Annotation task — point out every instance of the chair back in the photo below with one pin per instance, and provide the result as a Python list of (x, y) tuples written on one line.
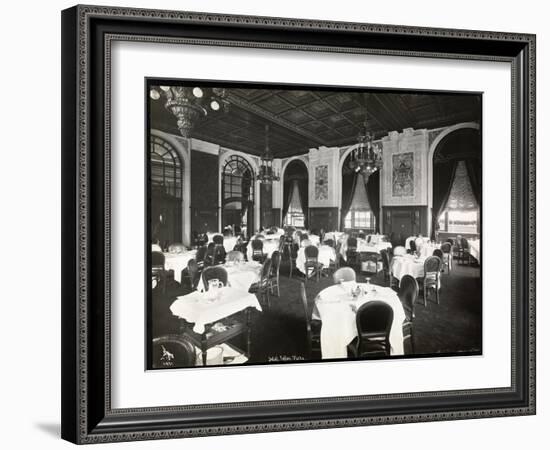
[(374, 320), (257, 245), (266, 271), (193, 270), (362, 235), (437, 252), (234, 256), (212, 273), (344, 274), (412, 245), (304, 237), (446, 247), (408, 293), (385, 259), (275, 263), (219, 255), (218, 239), (352, 243), (157, 260), (173, 351), (311, 252), (432, 265)]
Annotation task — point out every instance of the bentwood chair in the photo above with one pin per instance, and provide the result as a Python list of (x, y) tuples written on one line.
[(158, 274), (437, 252), (192, 274), (374, 321), (258, 250), (446, 248), (173, 350), (274, 274), (343, 274), (463, 251), (408, 293), (431, 279), (412, 246), (352, 255), (214, 273), (313, 327), (312, 266), (261, 288)]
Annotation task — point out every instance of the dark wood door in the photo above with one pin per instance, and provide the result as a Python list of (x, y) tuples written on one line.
[(166, 219)]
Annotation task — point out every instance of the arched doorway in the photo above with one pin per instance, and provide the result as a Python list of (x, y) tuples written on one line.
[(166, 192), (358, 210), (295, 194), (456, 186), (238, 195)]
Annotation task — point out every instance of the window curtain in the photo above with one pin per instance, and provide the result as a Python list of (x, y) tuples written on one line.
[(245, 190), (473, 166), (373, 195), (287, 196), (348, 189), (443, 177), (304, 200)]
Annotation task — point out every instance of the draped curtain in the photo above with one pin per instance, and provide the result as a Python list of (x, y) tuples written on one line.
[(245, 191), (348, 188), (304, 193), (373, 196), (287, 196), (473, 166), (443, 177)]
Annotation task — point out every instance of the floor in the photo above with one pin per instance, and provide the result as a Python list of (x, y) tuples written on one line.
[(279, 333)]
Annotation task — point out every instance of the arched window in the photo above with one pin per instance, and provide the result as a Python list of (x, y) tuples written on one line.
[(166, 192), (238, 194)]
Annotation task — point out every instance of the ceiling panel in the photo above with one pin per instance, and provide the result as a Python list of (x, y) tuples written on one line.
[(301, 119)]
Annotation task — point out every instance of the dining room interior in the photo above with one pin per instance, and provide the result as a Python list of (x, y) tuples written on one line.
[(307, 224)]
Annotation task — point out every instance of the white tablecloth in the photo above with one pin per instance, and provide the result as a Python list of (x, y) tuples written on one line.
[(427, 249), (326, 255), (240, 276), (377, 238), (334, 235), (363, 247), (177, 262), (407, 265), (474, 249), (269, 247), (333, 306), (197, 308)]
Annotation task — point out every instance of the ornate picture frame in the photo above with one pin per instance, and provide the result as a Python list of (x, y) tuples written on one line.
[(87, 35)]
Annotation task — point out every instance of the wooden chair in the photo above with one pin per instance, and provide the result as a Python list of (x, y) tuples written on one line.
[(374, 321), (431, 279), (446, 248), (313, 327), (351, 252), (258, 250), (274, 274), (261, 288), (171, 351), (312, 266), (463, 248), (192, 274), (412, 246), (408, 293), (343, 274)]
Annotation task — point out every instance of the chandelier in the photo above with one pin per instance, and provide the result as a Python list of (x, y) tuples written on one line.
[(267, 174), (367, 157), (190, 104)]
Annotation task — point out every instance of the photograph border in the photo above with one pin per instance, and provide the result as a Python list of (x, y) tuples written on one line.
[(87, 34)]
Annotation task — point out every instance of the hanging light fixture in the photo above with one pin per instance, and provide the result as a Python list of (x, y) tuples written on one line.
[(267, 174), (190, 104), (367, 157)]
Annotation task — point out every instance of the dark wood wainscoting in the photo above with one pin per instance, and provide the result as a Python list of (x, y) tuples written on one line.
[(404, 221), (325, 218)]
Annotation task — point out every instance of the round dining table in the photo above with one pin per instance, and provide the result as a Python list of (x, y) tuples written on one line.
[(336, 308), (178, 262), (240, 275), (326, 255)]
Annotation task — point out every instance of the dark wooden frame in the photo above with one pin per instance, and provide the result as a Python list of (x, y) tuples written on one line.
[(87, 31)]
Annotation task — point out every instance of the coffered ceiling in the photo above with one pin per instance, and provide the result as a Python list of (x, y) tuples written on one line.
[(302, 119)]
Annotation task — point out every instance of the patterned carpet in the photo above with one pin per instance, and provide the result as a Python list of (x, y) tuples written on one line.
[(279, 333)]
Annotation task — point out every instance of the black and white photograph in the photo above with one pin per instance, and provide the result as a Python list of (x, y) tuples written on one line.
[(302, 223)]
